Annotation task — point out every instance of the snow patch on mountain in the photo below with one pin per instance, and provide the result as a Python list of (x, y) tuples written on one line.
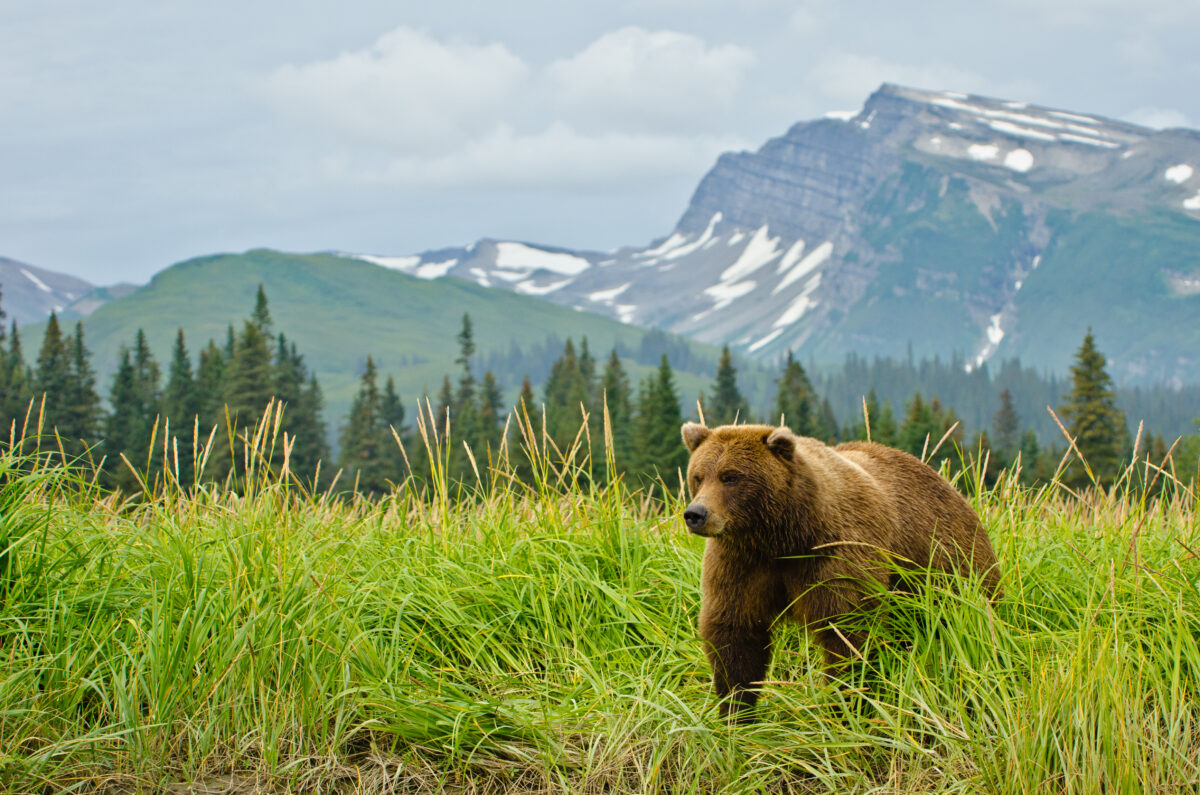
[(1178, 174), (761, 343), (608, 296), (434, 270), (518, 255), (1019, 160), (41, 285), (800, 304), (983, 151), (724, 294), (758, 252), (674, 241), (814, 259), (995, 334), (705, 239)]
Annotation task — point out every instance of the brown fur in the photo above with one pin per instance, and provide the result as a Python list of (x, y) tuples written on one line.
[(803, 531)]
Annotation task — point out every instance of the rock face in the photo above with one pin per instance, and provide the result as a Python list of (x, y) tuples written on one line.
[(930, 222)]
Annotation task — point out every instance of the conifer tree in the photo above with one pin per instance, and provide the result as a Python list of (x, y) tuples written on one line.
[(658, 451), (491, 415), (620, 409), (136, 407), (1093, 418), (180, 406), (727, 402), (795, 399), (15, 388), (392, 410), (527, 407), (301, 398), (884, 429), (311, 445), (466, 421), (83, 403), (210, 389), (567, 396), (827, 427), (52, 379), (249, 376), (365, 457), (445, 406), (918, 433), (1006, 427)]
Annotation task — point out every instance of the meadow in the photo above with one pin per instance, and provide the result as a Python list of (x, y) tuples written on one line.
[(498, 637)]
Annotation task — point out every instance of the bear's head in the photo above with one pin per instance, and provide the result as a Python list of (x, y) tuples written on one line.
[(737, 476)]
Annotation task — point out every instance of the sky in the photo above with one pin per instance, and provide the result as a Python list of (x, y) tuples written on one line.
[(137, 134)]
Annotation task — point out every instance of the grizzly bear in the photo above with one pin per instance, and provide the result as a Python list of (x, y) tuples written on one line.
[(802, 531)]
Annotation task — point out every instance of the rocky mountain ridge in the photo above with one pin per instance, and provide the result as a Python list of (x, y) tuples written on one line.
[(926, 223)]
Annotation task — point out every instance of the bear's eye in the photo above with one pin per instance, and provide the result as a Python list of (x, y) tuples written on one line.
[(730, 477)]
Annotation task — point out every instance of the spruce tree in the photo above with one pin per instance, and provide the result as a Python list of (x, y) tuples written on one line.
[(727, 402), (364, 457), (311, 443), (620, 409), (210, 389), (83, 403), (884, 429), (391, 417), (180, 405), (249, 377), (527, 407), (659, 452), (795, 399), (567, 396), (52, 379), (1006, 427), (136, 406), (15, 388), (918, 433), (466, 421), (491, 415), (1093, 418)]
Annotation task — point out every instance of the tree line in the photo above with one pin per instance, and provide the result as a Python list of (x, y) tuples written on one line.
[(191, 423)]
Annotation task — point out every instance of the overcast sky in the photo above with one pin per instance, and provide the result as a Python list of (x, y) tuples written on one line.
[(137, 134)]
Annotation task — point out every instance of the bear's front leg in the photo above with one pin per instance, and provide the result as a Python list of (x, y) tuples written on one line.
[(739, 658)]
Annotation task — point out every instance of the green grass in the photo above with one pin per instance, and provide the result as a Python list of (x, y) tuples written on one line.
[(543, 639)]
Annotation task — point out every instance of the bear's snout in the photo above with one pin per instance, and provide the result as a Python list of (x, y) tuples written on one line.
[(694, 517)]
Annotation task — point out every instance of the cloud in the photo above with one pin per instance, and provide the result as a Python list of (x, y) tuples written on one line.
[(847, 78), (555, 157), (1158, 118), (652, 80), (414, 111), (407, 91)]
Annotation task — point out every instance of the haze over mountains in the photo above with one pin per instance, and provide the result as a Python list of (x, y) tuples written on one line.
[(926, 223)]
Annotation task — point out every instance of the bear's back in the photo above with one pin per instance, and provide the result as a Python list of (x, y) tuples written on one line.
[(936, 522)]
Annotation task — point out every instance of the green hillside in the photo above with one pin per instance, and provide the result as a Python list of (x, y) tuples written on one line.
[(338, 310), (1117, 273)]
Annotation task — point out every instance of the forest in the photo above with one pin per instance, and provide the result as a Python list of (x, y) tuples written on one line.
[(192, 422)]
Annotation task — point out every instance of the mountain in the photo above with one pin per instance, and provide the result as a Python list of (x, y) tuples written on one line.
[(31, 293), (338, 311), (927, 223)]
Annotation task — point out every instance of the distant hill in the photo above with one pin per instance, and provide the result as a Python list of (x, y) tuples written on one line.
[(30, 293), (339, 310), (929, 219)]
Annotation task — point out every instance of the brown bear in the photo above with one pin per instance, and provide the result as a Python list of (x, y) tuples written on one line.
[(799, 530)]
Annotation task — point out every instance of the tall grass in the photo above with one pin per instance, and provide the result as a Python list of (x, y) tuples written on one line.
[(542, 638)]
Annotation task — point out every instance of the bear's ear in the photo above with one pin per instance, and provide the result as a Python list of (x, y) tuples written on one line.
[(693, 434), (781, 442)]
